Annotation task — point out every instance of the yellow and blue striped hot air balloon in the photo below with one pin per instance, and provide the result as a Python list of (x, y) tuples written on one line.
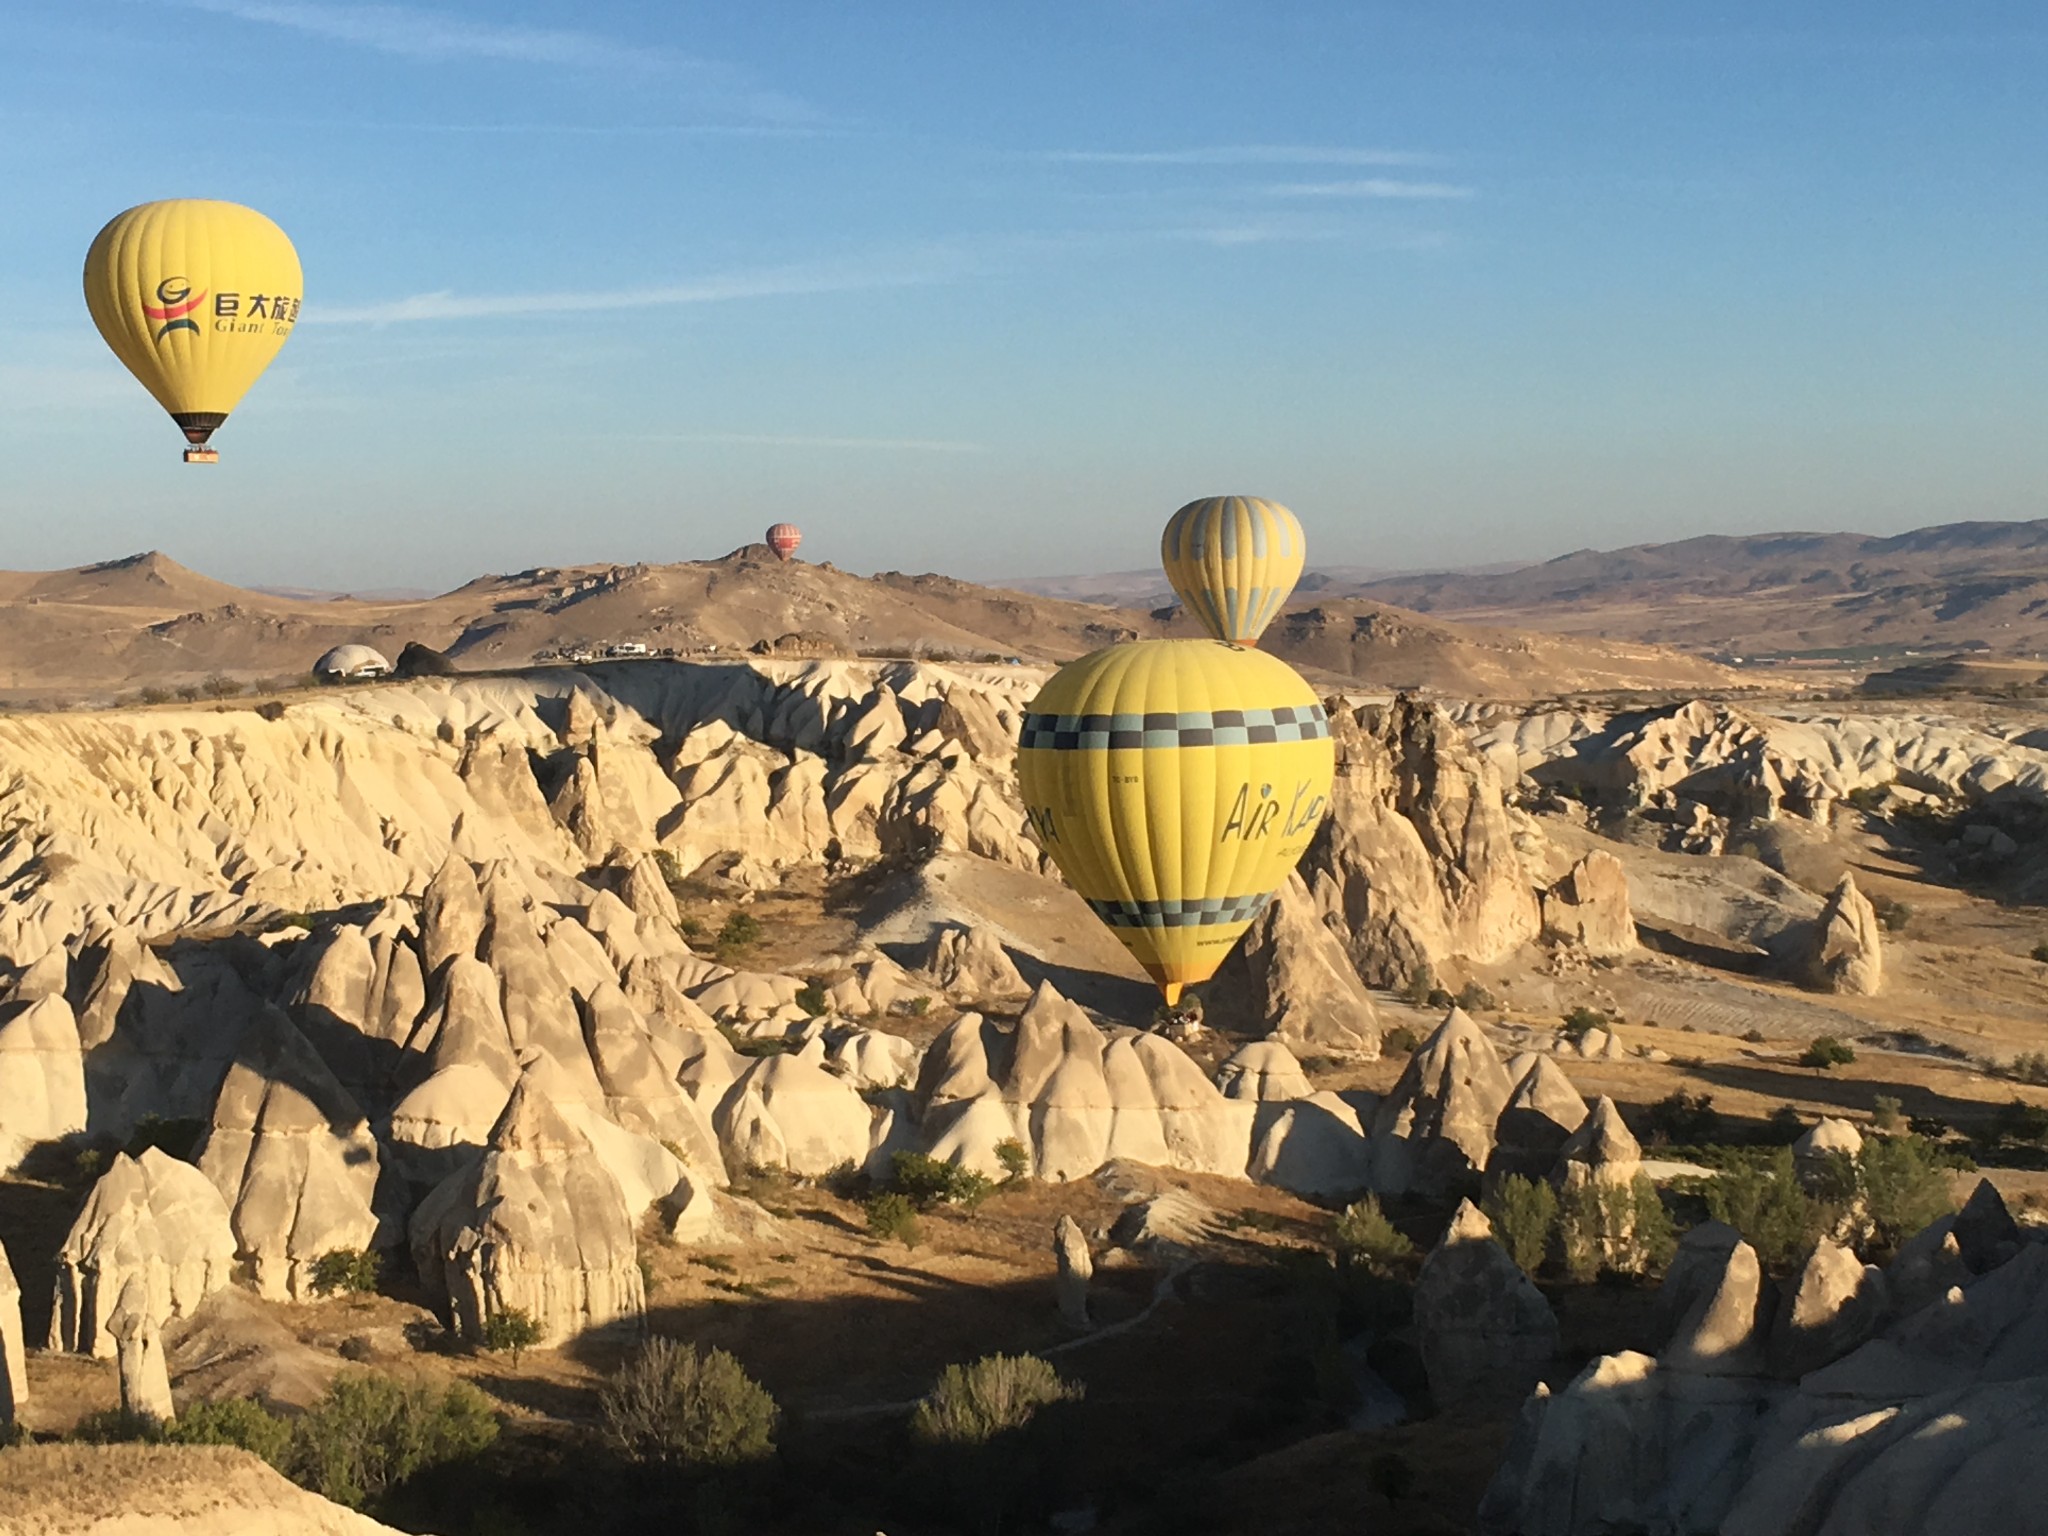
[(1176, 783), (1233, 560)]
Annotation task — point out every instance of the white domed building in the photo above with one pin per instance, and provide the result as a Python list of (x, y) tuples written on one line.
[(350, 663)]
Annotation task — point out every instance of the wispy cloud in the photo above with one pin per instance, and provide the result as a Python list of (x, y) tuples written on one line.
[(901, 271), (1374, 187), (409, 32), (783, 440), (1242, 154)]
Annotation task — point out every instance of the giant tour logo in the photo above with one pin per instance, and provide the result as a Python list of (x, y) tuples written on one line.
[(178, 301)]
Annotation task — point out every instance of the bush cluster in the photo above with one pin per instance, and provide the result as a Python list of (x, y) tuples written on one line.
[(1826, 1052), (740, 933), (929, 1181), (1687, 1119), (673, 1406), (892, 1216), (366, 1436), (973, 1404), (513, 1330), (1364, 1238)]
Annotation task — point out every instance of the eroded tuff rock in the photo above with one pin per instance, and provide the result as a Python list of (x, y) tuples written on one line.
[(1483, 1327), (1417, 863), (971, 966), (1263, 1071), (145, 1379), (1073, 1097), (42, 1076), (538, 1224), (1073, 1267), (1845, 949), (151, 1219), (787, 1111), (294, 1158), (1536, 1123), (1933, 1425), (13, 1350), (1435, 1129), (1291, 978), (1589, 907)]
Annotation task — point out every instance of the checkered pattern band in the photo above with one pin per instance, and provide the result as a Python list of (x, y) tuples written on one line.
[(1200, 913), (1199, 728)]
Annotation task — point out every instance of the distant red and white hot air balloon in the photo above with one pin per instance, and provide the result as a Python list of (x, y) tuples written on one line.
[(783, 538)]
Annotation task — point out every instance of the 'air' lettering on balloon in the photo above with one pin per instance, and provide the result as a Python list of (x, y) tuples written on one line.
[(1248, 821)]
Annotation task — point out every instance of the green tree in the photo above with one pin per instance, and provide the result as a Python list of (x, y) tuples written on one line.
[(512, 1330), (1759, 1195), (1524, 1214), (346, 1271)]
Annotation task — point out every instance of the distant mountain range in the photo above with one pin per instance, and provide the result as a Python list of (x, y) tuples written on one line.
[(1956, 586)]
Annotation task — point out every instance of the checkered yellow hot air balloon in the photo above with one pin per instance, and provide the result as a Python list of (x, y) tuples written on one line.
[(1234, 560), (195, 297), (1176, 783)]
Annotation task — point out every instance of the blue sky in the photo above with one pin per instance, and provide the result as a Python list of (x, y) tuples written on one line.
[(992, 289)]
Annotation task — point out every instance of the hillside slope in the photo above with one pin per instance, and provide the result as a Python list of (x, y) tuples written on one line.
[(149, 622)]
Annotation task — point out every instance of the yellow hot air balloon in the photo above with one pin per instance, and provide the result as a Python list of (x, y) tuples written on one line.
[(1233, 560), (1176, 783), (195, 297)]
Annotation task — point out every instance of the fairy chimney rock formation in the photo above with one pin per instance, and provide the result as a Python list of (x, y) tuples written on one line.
[(1483, 1327)]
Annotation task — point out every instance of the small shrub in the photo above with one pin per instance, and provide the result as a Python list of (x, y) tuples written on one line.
[(1523, 1213), (1887, 1115), (740, 933), (2029, 1067), (1904, 1188), (346, 1271), (220, 686), (239, 1421), (1688, 1119), (812, 999), (2019, 1121), (891, 1215), (1825, 1052), (1439, 998), (512, 1330), (930, 1181), (2040, 952), (156, 695), (1932, 1127), (1580, 1020), (1760, 1196), (115, 1426), (1893, 914), (1399, 1041), (690, 928), (1015, 1158), (1365, 1238), (1420, 986), (1755, 1036), (918, 1006), (1473, 996), (972, 1404), (670, 1405), (371, 1433)]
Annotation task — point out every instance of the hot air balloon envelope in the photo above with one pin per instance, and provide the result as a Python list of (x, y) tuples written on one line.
[(1234, 560), (1176, 783), (195, 298), (783, 538)]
